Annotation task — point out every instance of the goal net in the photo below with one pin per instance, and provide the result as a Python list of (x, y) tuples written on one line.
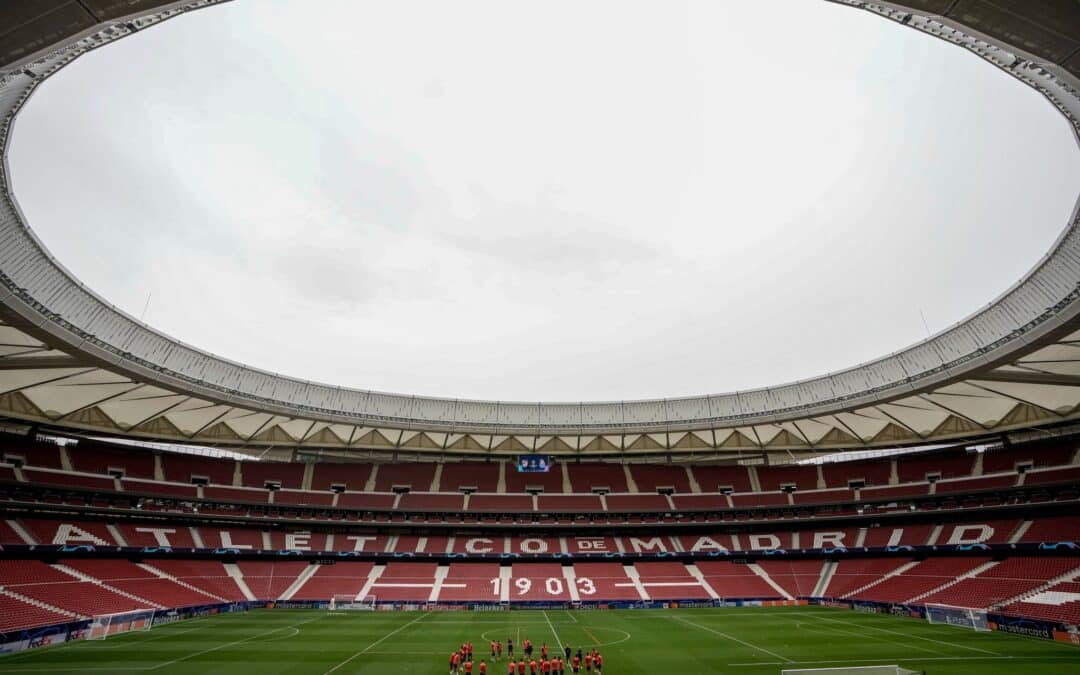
[(966, 617), (855, 670), (342, 603), (104, 625)]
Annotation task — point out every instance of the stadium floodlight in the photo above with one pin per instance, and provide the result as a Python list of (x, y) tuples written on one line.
[(342, 602), (967, 617), (104, 625), (855, 670)]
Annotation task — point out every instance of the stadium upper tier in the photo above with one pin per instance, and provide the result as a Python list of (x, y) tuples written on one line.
[(68, 358)]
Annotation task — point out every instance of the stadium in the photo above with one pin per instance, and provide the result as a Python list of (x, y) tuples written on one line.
[(167, 509)]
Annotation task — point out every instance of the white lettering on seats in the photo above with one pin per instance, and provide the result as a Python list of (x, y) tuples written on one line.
[(227, 542), (68, 534), (591, 544), (654, 544), (159, 534), (833, 539), (960, 534), (361, 541), (475, 546), (706, 544), (533, 545), (757, 541), (298, 541)]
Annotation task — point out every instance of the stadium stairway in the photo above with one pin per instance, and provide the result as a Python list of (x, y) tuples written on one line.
[(1070, 576), (164, 575), (828, 569), (373, 578), (697, 574), (756, 569), (44, 606), (98, 582), (966, 575), (1020, 530), (635, 579), (238, 578), (299, 582), (896, 572)]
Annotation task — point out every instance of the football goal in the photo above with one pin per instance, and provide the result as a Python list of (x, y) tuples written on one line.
[(345, 602), (966, 617), (855, 670), (104, 625)]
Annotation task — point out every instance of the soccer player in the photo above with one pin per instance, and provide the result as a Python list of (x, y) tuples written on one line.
[(598, 661), (468, 667), (588, 663), (492, 650), (521, 667), (511, 667), (546, 667), (454, 657), (469, 649), (532, 667), (498, 648), (576, 663), (510, 648), (483, 667), (560, 665), (543, 650), (567, 650)]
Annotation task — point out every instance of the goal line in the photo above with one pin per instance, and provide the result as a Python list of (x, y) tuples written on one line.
[(855, 670)]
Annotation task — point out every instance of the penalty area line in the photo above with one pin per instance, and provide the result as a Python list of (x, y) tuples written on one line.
[(920, 659), (908, 635), (371, 646), (735, 639), (554, 632), (230, 644)]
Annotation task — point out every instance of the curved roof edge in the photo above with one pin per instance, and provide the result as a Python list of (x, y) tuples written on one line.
[(78, 330)]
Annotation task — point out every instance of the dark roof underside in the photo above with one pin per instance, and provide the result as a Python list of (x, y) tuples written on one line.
[(1050, 29)]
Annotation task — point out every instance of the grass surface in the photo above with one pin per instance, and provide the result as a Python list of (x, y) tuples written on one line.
[(686, 641)]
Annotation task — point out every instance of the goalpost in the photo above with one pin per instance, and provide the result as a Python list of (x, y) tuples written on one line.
[(341, 602), (855, 670), (968, 617), (104, 625)]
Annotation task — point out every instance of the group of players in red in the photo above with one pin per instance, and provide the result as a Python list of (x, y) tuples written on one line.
[(461, 661)]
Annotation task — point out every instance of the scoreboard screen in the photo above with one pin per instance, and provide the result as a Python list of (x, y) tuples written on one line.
[(533, 464)]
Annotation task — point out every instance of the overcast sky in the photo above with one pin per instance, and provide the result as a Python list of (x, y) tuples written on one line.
[(559, 200)]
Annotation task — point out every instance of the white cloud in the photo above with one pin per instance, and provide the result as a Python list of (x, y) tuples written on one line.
[(562, 201)]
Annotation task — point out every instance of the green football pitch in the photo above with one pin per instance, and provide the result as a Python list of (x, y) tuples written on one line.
[(686, 641)]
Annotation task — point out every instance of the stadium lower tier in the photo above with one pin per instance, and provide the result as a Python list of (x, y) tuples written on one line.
[(35, 531), (36, 593)]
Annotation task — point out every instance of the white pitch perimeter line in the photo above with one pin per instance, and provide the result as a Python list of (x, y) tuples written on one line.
[(371, 646), (553, 631), (909, 635), (230, 644), (873, 637), (571, 615), (1033, 657), (735, 639)]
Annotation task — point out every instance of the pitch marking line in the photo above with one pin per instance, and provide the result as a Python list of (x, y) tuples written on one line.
[(553, 631), (371, 646), (735, 639), (230, 644), (908, 658), (590, 634), (909, 635), (801, 626)]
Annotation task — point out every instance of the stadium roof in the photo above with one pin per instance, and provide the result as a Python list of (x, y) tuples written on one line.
[(70, 359)]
